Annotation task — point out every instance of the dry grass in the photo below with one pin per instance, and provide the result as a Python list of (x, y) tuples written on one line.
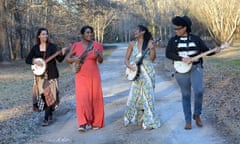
[(222, 91), (18, 123)]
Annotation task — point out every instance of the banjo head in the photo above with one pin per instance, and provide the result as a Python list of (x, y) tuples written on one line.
[(39, 70), (131, 75), (182, 67)]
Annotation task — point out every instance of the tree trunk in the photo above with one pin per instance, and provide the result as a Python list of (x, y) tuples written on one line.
[(4, 51)]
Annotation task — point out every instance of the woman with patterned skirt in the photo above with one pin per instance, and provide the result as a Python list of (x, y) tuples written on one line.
[(140, 107)]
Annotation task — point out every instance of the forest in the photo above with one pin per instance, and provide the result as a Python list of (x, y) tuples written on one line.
[(113, 21)]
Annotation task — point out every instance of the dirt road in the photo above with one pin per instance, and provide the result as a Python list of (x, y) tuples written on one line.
[(115, 89)]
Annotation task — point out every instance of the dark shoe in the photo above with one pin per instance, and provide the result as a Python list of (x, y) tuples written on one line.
[(188, 126), (45, 123), (82, 128), (198, 120)]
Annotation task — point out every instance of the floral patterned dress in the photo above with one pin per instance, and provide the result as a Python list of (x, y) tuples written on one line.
[(140, 107)]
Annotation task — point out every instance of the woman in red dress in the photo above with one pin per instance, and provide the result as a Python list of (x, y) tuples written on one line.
[(89, 98)]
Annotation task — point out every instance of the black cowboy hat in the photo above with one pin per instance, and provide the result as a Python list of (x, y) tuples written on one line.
[(183, 21)]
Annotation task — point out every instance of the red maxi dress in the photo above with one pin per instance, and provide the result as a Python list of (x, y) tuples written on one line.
[(88, 88)]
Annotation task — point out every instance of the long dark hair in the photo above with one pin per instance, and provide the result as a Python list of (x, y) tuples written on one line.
[(39, 32), (146, 37)]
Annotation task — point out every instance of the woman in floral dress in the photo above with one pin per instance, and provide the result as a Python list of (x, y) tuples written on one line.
[(140, 107)]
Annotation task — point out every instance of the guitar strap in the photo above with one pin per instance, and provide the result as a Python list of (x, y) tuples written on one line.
[(145, 52), (141, 58), (84, 55), (45, 73)]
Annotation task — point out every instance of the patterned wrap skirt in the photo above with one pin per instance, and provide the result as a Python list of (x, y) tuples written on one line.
[(140, 107), (45, 93)]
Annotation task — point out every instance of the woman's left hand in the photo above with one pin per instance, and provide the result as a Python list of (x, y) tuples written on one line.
[(64, 50), (98, 53), (217, 50)]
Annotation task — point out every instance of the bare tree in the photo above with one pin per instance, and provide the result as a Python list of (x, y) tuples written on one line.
[(220, 17), (149, 13), (111, 19), (102, 16), (4, 50)]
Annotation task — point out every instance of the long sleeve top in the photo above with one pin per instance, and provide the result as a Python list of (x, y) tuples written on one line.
[(51, 69)]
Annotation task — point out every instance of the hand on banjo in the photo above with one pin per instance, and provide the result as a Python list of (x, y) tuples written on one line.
[(187, 60), (64, 50), (38, 63), (132, 67), (98, 53), (77, 60), (218, 49)]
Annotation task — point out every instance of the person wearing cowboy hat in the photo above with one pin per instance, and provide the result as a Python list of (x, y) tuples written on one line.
[(182, 47)]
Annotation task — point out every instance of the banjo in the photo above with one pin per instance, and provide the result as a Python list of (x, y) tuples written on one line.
[(133, 75), (182, 67), (39, 70)]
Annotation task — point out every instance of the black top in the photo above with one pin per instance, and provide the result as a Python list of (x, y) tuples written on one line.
[(190, 46), (51, 69)]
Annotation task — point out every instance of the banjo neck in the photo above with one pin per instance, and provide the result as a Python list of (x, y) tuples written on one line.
[(145, 52), (203, 54), (53, 56), (225, 45)]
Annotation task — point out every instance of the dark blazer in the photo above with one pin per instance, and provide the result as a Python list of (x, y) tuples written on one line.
[(52, 70)]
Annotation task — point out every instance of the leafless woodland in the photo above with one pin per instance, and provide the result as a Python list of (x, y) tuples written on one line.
[(113, 20)]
